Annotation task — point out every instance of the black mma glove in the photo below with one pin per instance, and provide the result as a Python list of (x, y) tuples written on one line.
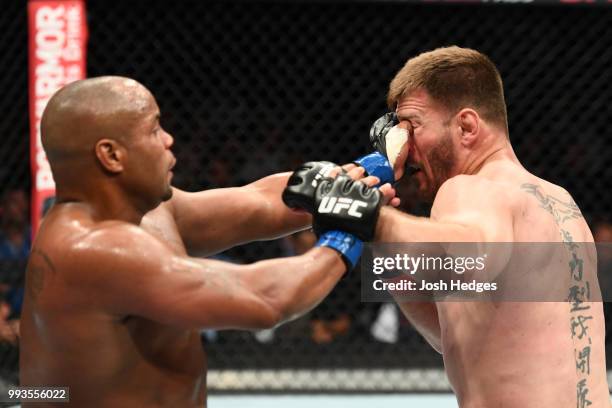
[(346, 205), (302, 184), (379, 130), (377, 163)]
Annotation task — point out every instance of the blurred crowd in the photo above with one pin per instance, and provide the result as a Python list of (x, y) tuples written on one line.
[(15, 241)]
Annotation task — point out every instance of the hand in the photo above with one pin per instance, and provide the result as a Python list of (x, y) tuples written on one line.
[(379, 130), (346, 205), (389, 195), (300, 190), (390, 137), (357, 172), (376, 164)]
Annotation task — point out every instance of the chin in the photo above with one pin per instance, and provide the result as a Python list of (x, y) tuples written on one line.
[(168, 194), (425, 197), (410, 192)]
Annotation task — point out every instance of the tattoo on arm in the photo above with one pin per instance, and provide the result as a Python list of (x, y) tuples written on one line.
[(40, 270)]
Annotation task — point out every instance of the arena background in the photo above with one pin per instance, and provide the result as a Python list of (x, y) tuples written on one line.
[(250, 88)]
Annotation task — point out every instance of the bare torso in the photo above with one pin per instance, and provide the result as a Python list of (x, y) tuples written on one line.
[(527, 354), (106, 359)]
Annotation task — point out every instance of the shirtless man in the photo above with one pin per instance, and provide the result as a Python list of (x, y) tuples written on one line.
[(114, 304), (507, 354), (511, 354)]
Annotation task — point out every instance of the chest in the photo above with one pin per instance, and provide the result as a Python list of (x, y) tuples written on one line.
[(160, 223), (169, 348)]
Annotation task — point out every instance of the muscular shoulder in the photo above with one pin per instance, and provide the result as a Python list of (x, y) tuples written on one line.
[(114, 233), (110, 248), (117, 238), (544, 191), (465, 193), (548, 202), (476, 202)]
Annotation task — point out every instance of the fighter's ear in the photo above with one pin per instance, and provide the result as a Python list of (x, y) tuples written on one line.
[(469, 124), (111, 155)]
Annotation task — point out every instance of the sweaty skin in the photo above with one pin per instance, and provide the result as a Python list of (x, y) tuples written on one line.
[(510, 354), (113, 303)]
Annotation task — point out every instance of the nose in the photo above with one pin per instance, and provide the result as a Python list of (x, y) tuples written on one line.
[(168, 140)]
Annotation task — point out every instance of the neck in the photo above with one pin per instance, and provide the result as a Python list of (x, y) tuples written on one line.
[(501, 150), (105, 202)]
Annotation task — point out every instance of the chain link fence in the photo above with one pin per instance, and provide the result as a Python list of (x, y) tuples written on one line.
[(252, 88)]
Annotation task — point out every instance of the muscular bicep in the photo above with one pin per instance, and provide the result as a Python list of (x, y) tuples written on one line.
[(139, 275), (202, 294), (212, 220)]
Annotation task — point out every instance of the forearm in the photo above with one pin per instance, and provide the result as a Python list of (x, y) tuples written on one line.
[(213, 220), (293, 286), (396, 226), (204, 293), (273, 218)]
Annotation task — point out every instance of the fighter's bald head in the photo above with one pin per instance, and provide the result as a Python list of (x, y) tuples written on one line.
[(85, 111)]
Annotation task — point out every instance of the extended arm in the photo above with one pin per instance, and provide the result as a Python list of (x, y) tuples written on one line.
[(140, 276), (213, 220)]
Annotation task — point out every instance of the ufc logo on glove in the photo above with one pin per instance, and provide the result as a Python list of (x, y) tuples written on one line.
[(336, 205)]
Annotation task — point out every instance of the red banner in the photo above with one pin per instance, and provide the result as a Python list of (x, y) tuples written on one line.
[(57, 46)]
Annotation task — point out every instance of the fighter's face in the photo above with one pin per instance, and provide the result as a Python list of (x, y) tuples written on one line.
[(151, 159), (430, 154)]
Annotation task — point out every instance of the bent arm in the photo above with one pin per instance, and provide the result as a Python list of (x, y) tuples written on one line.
[(463, 211), (213, 220), (396, 226), (148, 280)]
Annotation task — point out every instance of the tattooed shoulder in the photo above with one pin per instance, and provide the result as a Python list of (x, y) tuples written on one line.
[(40, 270), (562, 209)]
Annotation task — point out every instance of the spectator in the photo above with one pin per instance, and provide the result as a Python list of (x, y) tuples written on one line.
[(14, 250), (9, 329), (14, 226), (602, 232), (602, 235)]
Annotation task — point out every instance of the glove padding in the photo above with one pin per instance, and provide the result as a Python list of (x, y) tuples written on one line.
[(379, 130), (346, 205), (300, 190), (376, 164)]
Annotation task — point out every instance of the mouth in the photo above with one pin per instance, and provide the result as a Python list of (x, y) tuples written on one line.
[(412, 169), (172, 164)]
